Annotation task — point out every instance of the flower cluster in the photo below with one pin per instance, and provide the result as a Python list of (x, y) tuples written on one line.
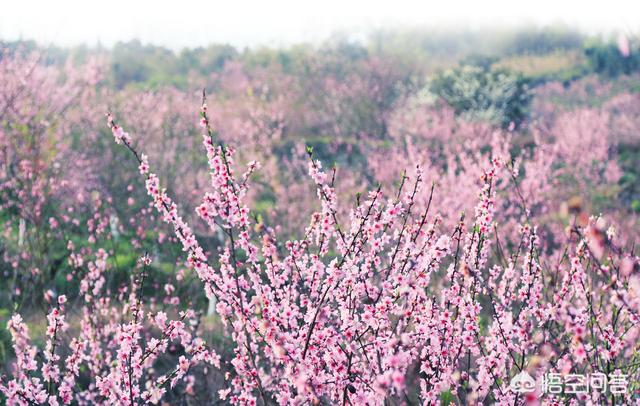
[(117, 350)]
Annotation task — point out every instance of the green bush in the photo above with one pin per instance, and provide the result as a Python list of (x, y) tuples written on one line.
[(606, 59), (479, 93)]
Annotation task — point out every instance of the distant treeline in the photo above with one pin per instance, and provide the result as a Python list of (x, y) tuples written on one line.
[(553, 52)]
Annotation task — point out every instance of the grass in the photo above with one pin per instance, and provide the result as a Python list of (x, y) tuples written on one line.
[(555, 65)]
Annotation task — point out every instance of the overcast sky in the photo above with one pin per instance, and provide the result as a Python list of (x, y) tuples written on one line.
[(189, 23)]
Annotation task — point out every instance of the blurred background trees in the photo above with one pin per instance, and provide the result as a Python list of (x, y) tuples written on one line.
[(442, 98)]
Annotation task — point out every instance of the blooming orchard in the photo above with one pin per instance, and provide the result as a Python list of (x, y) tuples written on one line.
[(441, 289)]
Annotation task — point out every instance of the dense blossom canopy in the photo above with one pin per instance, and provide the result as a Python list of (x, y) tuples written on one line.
[(474, 261)]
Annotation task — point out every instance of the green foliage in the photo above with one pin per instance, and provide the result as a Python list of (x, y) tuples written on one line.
[(629, 160), (5, 337), (447, 398), (206, 60), (154, 66), (562, 66), (496, 96), (544, 40), (606, 59)]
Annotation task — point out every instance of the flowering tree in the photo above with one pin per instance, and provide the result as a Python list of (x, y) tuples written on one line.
[(38, 178), (389, 307)]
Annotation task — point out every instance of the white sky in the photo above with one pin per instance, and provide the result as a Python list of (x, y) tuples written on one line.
[(182, 23)]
